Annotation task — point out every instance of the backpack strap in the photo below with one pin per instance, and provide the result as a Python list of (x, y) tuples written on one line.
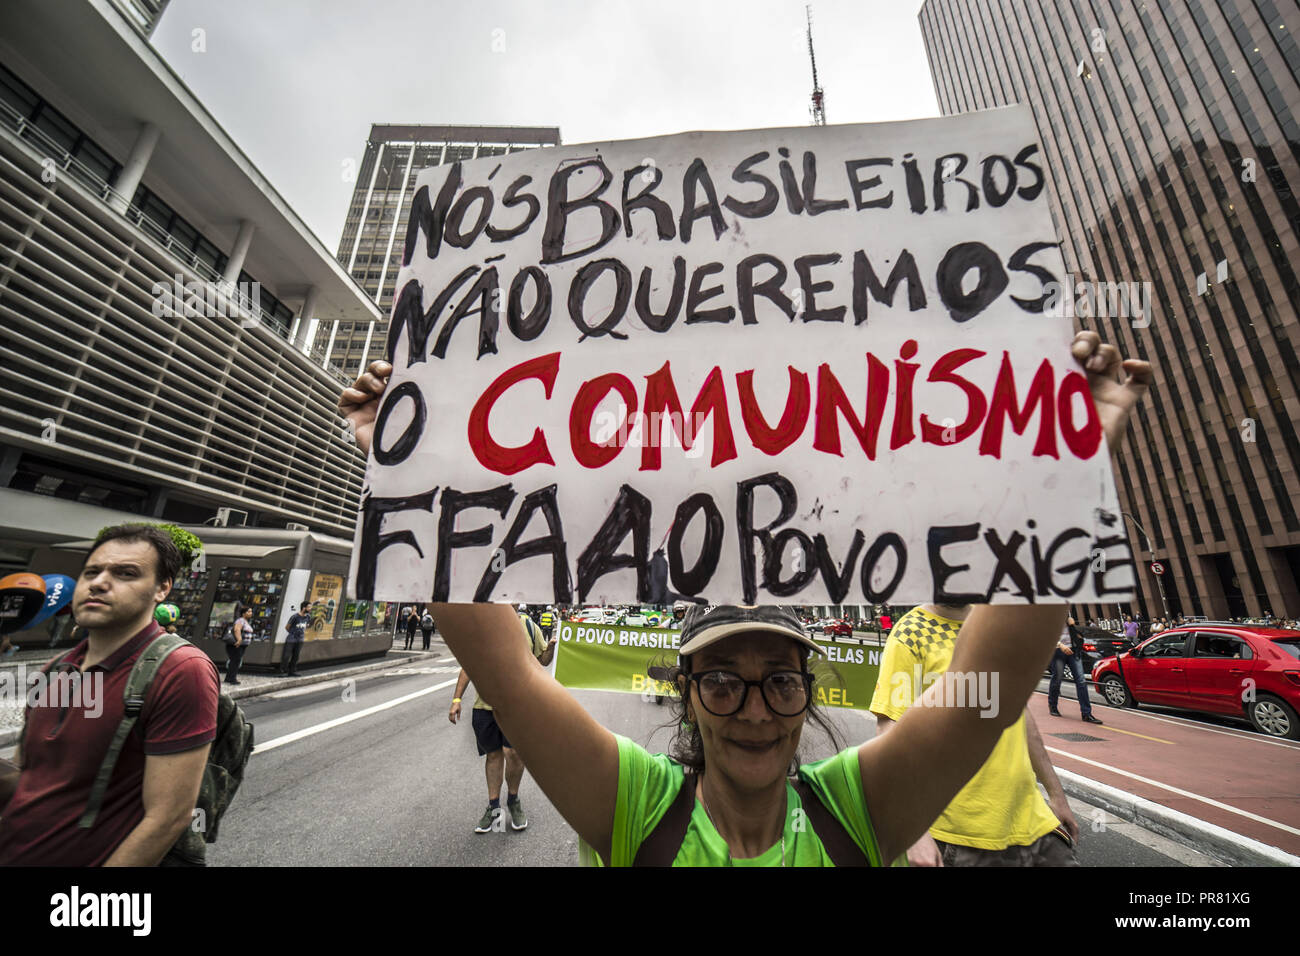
[(660, 848), (840, 847), (142, 674)]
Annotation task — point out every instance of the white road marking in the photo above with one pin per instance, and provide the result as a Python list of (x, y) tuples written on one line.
[(339, 721), (1182, 793)]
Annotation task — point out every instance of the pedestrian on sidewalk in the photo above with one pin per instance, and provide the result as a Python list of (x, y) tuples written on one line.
[(412, 622), (1069, 653), (237, 638), (297, 628), (999, 818), (426, 626), (500, 758)]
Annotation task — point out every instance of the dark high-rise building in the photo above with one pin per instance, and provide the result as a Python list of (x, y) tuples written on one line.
[(375, 228), (1171, 137)]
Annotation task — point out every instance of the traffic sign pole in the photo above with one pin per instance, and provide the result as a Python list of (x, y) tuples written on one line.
[(1160, 582)]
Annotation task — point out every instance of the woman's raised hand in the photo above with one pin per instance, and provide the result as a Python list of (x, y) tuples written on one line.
[(360, 403)]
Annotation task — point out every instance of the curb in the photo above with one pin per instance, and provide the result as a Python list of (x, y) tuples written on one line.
[(1222, 844), (324, 676), (8, 737)]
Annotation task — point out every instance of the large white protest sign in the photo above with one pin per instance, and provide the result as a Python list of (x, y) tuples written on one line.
[(805, 365)]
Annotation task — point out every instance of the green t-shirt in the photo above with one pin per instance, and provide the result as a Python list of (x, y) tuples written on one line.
[(648, 784)]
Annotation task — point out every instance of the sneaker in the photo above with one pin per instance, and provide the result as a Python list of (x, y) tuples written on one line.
[(489, 816), (1054, 712), (518, 819), (1091, 720)]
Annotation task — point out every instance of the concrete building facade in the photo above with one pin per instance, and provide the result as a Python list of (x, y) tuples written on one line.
[(152, 284)]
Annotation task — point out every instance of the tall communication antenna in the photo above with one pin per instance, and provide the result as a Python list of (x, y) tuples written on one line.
[(818, 97)]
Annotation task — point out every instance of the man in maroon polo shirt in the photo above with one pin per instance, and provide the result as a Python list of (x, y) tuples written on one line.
[(150, 798)]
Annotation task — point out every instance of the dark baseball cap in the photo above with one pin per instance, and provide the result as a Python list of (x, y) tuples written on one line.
[(708, 625)]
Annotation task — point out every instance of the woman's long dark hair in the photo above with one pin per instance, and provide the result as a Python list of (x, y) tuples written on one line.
[(687, 746)]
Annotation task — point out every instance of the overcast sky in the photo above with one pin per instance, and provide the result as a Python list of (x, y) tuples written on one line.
[(297, 83)]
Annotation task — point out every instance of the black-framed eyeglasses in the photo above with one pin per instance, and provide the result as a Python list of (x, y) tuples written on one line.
[(724, 693)]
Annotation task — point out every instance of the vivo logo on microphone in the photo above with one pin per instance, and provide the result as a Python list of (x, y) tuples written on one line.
[(77, 909)]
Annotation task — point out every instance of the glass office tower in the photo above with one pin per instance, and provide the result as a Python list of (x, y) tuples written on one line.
[(1172, 139)]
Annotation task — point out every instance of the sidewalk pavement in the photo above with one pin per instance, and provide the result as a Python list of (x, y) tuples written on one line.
[(251, 683)]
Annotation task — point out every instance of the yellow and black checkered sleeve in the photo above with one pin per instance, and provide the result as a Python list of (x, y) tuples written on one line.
[(894, 686), (919, 644)]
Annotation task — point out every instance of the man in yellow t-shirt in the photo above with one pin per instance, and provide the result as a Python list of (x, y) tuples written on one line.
[(501, 759), (999, 818)]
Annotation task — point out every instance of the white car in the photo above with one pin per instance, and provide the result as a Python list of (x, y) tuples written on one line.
[(597, 615)]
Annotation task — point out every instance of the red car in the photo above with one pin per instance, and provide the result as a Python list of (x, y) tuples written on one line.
[(1233, 670), (836, 628)]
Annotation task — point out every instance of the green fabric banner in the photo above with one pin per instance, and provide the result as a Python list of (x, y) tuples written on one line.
[(607, 657)]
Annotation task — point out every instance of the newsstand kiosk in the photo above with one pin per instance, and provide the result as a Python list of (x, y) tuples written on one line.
[(273, 571)]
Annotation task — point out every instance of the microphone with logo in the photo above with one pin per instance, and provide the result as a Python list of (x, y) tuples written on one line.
[(22, 596), (28, 599)]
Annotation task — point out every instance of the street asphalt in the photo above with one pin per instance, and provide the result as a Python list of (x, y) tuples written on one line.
[(391, 782)]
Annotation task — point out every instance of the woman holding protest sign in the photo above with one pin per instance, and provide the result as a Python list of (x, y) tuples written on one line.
[(747, 689)]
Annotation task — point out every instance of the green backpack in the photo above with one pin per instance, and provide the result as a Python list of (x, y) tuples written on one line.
[(222, 776)]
